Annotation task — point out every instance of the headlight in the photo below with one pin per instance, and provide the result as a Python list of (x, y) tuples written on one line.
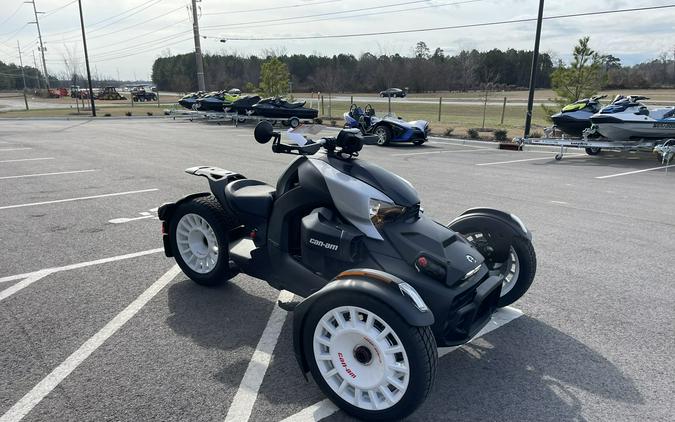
[(382, 212)]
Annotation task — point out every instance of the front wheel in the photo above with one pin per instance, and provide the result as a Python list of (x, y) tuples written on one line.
[(367, 359), (516, 272), (199, 240)]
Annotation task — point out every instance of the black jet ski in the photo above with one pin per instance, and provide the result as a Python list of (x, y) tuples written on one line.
[(217, 101), (244, 105), (282, 109), (574, 118), (189, 101)]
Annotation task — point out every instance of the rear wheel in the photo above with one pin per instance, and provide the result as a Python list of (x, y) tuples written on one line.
[(293, 122), (199, 240), (593, 151), (419, 141), (367, 359), (383, 134)]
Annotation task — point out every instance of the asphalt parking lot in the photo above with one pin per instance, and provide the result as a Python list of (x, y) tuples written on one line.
[(96, 324)]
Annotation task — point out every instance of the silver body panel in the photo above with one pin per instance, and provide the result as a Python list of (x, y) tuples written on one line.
[(351, 197)]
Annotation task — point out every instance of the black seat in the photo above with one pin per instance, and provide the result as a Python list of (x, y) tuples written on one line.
[(250, 196)]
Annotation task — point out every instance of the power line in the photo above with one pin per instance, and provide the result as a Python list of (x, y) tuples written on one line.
[(442, 28), (51, 12), (13, 13), (119, 20), (293, 18), (361, 15), (272, 8), (77, 29), (116, 32)]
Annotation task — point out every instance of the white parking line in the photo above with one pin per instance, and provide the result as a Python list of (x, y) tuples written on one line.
[(528, 159), (441, 152), (6, 207), (81, 264), (26, 159), (634, 172), (243, 401), (46, 174), (13, 149), (51, 381), (325, 408)]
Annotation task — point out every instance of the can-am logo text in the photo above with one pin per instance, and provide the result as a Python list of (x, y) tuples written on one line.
[(322, 244)]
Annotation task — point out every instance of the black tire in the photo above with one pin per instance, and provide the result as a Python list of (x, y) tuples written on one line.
[(221, 221), (593, 151), (527, 266), (418, 342), (384, 135), (293, 122)]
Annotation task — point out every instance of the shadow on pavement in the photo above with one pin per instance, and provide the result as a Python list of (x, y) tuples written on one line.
[(525, 371), (225, 317)]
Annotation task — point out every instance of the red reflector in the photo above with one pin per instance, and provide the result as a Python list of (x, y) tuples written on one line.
[(163, 228), (253, 234), (422, 261)]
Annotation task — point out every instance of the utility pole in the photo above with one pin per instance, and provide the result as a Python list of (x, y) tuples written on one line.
[(86, 60), (198, 48), (23, 75), (533, 70), (42, 47), (36, 68)]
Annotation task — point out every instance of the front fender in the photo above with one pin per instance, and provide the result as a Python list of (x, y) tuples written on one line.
[(502, 225), (386, 288), (165, 213)]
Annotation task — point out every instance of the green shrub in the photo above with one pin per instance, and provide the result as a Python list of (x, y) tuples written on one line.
[(333, 122), (500, 135), (448, 131), (128, 113), (318, 121), (472, 133), (107, 115), (149, 113)]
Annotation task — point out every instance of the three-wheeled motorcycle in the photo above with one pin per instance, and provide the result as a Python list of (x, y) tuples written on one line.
[(383, 283)]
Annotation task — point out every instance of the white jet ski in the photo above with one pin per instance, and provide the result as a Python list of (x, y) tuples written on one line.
[(627, 119)]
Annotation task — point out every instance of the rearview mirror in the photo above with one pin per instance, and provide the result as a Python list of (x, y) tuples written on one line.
[(263, 132), (370, 140)]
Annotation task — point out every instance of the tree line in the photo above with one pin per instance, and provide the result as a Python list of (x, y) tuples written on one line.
[(424, 72), (10, 77)]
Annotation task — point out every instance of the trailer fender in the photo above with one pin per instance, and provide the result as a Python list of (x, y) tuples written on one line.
[(384, 287), (501, 225)]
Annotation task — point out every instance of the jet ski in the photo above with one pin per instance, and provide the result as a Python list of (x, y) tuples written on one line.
[(574, 118), (627, 119), (189, 101), (216, 101), (279, 108), (244, 105)]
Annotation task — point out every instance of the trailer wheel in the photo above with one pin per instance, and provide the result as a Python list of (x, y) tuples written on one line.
[(199, 240), (367, 359), (294, 122), (558, 157), (593, 151)]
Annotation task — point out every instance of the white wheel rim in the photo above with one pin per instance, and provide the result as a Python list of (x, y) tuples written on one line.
[(372, 380), (197, 243), (508, 271)]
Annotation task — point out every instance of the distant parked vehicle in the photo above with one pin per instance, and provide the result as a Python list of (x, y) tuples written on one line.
[(393, 92), (138, 93), (109, 93)]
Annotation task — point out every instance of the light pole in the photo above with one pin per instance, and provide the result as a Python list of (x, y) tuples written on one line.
[(533, 70), (86, 60), (42, 47)]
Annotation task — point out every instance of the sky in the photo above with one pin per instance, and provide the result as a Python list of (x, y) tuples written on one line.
[(125, 36)]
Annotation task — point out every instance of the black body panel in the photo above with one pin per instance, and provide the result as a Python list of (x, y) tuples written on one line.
[(572, 125), (399, 190)]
